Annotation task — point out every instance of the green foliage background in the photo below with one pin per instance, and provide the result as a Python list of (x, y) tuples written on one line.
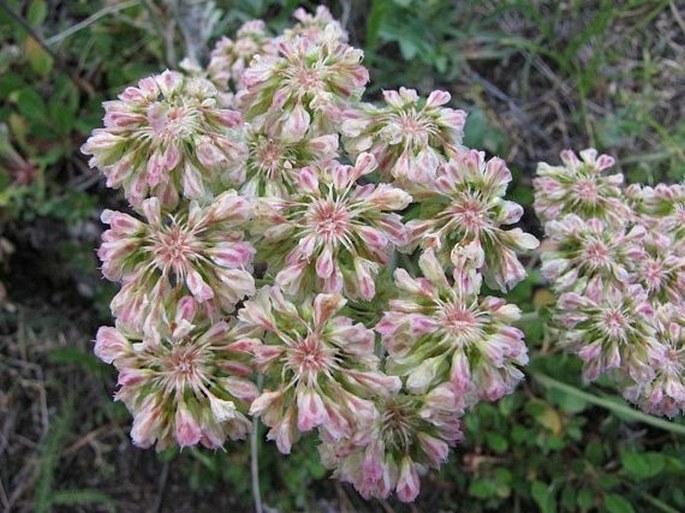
[(536, 77)]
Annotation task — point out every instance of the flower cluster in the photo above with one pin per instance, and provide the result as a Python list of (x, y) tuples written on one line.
[(301, 91), (313, 192), (467, 214), (325, 373), (186, 381), (334, 234), (169, 137), (409, 136), (200, 251), (410, 434), (441, 332), (617, 262), (230, 59)]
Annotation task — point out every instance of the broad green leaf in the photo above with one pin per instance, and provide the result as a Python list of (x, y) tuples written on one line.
[(30, 104), (37, 12), (543, 497), (40, 60), (585, 498), (615, 503), (642, 465)]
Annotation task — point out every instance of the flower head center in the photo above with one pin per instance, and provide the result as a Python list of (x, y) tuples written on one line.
[(461, 322), (309, 79), (587, 190), (269, 155), (414, 127), (309, 357), (330, 220), (172, 122), (397, 423), (174, 248), (184, 366), (597, 254), (615, 324), (470, 215), (654, 274)]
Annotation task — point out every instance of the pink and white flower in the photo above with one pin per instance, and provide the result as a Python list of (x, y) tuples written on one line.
[(334, 234), (665, 395), (411, 137), (169, 138), (320, 367), (411, 434), (300, 93), (186, 381), (467, 210), (585, 249), (439, 332), (201, 251), (612, 329), (580, 187), (229, 59)]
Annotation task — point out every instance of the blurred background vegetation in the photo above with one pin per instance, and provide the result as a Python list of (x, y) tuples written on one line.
[(536, 77)]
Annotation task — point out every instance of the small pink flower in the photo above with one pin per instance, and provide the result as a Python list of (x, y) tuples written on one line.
[(299, 93), (585, 249), (411, 432), (314, 27), (470, 341), (168, 138), (408, 483), (184, 380), (320, 366), (580, 187), (611, 328), (188, 432), (199, 251), (229, 59), (110, 344), (469, 212), (334, 234), (409, 136)]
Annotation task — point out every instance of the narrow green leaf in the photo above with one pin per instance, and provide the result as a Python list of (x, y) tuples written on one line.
[(83, 497), (616, 407)]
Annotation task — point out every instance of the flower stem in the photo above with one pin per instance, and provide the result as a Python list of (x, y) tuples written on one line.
[(254, 458), (621, 409)]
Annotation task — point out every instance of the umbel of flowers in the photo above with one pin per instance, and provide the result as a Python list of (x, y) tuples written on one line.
[(269, 206), (616, 260)]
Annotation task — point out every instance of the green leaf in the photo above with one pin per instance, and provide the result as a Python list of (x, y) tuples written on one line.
[(51, 449), (569, 403), (30, 104), (543, 497), (614, 503), (479, 133), (497, 442), (38, 11), (83, 497), (374, 21), (40, 60), (642, 465), (620, 409), (78, 357), (482, 488), (585, 498), (10, 82)]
